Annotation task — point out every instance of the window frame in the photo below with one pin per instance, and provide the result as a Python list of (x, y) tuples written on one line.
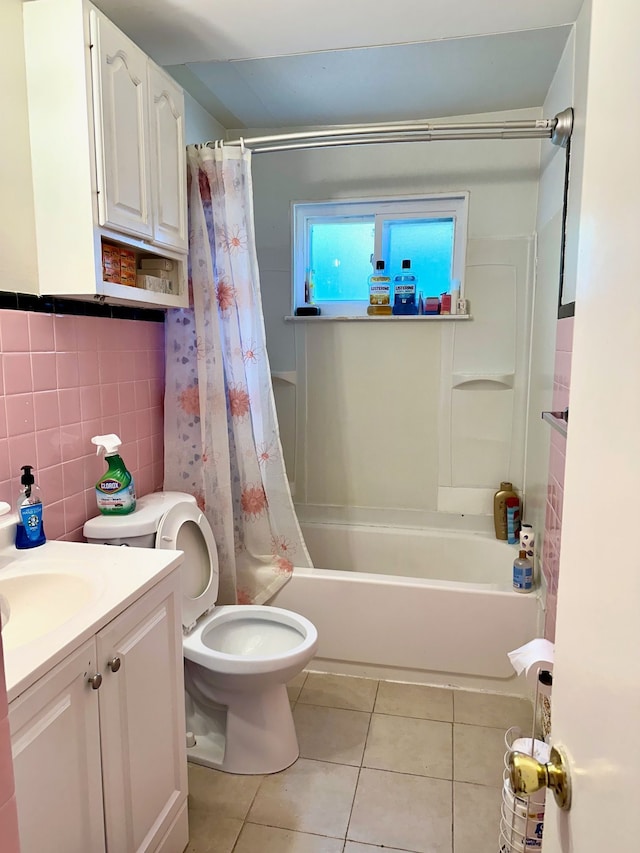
[(451, 205)]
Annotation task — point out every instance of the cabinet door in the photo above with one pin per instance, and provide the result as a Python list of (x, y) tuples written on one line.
[(120, 93), (142, 721), (168, 160), (55, 743)]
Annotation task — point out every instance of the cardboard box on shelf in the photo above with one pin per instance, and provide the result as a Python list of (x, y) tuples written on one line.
[(156, 264), (111, 263)]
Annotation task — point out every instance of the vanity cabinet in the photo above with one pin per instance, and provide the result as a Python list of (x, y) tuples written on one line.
[(98, 742), (108, 154)]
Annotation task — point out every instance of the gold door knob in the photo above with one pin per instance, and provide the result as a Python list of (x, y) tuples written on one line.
[(528, 775)]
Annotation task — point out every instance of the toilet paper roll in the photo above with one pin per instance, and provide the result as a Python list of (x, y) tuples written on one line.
[(530, 659)]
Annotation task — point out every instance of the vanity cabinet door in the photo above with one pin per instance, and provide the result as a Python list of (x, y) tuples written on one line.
[(120, 95), (142, 722), (168, 160), (55, 742)]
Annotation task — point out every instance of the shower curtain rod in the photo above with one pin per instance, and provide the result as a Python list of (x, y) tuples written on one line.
[(557, 129)]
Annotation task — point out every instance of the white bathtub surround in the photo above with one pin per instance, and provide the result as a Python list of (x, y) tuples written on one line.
[(415, 605), (380, 516)]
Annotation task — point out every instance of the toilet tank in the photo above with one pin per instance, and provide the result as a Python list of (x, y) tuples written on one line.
[(138, 528), (147, 540)]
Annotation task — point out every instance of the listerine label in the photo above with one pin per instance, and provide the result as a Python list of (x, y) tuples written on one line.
[(379, 294), (31, 518), (405, 289)]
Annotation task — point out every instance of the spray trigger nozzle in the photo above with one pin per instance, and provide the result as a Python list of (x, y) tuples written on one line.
[(107, 443)]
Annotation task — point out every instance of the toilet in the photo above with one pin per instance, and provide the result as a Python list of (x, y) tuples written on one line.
[(238, 658)]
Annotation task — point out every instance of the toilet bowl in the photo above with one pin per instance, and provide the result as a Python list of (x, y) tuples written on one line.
[(238, 658)]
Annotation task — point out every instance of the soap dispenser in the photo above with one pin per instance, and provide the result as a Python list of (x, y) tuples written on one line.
[(30, 529)]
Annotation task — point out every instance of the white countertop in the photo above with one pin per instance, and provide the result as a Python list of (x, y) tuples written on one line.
[(117, 577)]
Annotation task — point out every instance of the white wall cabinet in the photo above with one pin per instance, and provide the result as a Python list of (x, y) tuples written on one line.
[(107, 150), (168, 170), (121, 115), (104, 767), (18, 264)]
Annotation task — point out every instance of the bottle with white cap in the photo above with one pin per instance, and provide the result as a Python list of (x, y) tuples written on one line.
[(115, 491)]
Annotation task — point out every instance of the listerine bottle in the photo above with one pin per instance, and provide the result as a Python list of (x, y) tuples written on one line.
[(30, 529), (404, 291), (115, 491), (379, 291)]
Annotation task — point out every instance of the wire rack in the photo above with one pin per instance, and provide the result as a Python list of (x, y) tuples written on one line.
[(521, 818)]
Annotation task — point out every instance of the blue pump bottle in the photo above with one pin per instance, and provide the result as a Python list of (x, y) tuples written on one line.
[(30, 529)]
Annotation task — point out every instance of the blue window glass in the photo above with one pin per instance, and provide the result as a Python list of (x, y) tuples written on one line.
[(428, 244), (340, 253)]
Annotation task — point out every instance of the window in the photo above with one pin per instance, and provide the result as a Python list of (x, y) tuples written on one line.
[(336, 245)]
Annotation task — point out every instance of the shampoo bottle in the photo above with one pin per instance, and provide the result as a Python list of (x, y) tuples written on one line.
[(513, 521), (30, 529), (115, 491), (522, 573), (500, 509)]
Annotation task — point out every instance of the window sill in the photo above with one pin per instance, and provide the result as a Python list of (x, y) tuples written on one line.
[(390, 318)]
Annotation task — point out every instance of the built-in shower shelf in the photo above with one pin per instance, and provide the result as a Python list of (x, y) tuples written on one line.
[(288, 377), (481, 381), (557, 420)]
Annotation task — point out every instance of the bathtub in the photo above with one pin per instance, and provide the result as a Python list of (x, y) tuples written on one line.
[(431, 606)]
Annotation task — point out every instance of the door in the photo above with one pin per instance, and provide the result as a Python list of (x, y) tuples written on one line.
[(120, 100), (142, 720), (168, 161), (55, 742), (596, 692)]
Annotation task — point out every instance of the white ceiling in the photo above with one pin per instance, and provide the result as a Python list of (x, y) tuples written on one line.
[(278, 63), (394, 83)]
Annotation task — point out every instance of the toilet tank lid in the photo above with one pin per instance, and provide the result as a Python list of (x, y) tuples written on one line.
[(142, 521)]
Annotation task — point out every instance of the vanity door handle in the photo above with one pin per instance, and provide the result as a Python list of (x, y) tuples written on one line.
[(95, 680), (114, 664)]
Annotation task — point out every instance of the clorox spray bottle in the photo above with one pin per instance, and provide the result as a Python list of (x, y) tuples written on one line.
[(115, 491)]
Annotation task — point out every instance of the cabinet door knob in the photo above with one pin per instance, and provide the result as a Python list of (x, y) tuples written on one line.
[(95, 680), (114, 664)]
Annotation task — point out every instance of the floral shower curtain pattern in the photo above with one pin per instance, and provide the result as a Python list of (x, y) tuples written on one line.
[(222, 442)]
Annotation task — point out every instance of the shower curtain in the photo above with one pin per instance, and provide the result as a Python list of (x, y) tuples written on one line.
[(222, 442)]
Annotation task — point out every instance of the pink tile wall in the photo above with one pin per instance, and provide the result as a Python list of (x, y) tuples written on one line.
[(64, 379), (8, 816), (555, 482)]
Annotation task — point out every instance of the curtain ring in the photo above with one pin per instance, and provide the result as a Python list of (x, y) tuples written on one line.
[(242, 148)]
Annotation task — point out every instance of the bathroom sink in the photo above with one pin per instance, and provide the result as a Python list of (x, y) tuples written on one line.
[(41, 598)]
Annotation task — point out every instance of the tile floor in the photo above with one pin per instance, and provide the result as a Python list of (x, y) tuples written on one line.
[(382, 765)]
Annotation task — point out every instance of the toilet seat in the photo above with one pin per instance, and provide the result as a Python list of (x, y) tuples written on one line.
[(251, 638), (184, 528)]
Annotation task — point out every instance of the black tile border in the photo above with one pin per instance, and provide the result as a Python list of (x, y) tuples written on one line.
[(55, 305)]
